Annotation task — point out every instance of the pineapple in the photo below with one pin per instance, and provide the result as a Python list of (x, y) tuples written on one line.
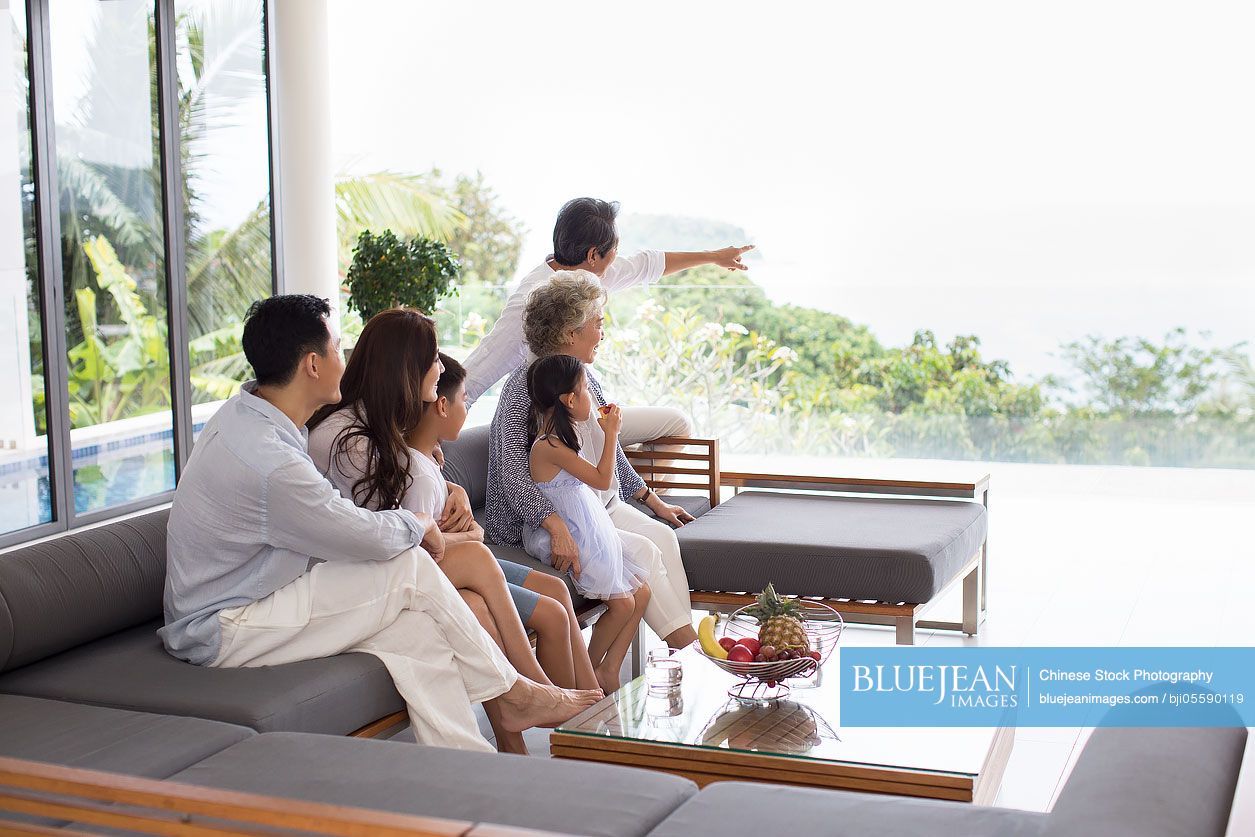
[(780, 623)]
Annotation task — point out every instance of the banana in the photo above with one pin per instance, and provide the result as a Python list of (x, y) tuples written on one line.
[(706, 635)]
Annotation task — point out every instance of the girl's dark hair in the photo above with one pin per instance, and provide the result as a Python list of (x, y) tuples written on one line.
[(451, 378), (383, 386), (583, 223), (547, 380)]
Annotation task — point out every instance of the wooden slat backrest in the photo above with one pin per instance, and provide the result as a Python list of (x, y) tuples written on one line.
[(697, 459), (149, 806)]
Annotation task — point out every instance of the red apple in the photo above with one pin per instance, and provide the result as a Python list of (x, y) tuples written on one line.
[(727, 642), (750, 643), (740, 654)]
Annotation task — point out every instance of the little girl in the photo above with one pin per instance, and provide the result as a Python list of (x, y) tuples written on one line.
[(560, 400)]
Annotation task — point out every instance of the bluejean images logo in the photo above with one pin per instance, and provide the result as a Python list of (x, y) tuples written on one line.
[(959, 686), (1045, 687)]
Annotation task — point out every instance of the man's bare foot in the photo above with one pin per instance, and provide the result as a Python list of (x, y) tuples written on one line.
[(607, 678), (529, 704), (511, 742)]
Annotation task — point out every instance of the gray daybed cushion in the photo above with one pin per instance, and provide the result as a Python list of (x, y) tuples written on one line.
[(518, 791), (1131, 782), (135, 743), (131, 670), (895, 550), (728, 808)]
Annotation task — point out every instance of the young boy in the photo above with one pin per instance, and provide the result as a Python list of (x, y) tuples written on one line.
[(542, 599)]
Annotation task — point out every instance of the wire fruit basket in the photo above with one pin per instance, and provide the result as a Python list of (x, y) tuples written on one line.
[(764, 681)]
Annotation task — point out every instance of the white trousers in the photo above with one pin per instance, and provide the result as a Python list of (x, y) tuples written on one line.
[(652, 543), (405, 612), (642, 424)]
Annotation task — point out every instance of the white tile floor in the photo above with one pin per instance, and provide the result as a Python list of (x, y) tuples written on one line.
[(1093, 556)]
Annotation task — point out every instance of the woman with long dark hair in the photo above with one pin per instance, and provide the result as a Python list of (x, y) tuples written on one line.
[(363, 445)]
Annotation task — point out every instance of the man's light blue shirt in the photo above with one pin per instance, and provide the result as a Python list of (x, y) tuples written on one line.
[(252, 513)]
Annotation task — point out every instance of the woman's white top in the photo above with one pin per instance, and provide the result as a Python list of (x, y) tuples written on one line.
[(427, 494)]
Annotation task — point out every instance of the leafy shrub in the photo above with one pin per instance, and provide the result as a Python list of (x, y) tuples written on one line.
[(387, 272)]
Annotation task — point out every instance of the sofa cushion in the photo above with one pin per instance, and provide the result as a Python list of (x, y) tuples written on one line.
[(131, 670), (728, 808), (76, 588), (1131, 782), (92, 737), (895, 550), (518, 791), (466, 463)]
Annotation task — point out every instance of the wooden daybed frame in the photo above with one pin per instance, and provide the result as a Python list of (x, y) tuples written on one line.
[(693, 465)]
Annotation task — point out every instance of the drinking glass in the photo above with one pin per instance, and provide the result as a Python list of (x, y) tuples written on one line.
[(663, 671)]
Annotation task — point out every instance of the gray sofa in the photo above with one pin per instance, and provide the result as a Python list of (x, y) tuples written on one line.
[(85, 683), (1126, 783), (78, 621)]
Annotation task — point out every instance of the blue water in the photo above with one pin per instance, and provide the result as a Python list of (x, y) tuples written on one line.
[(106, 482)]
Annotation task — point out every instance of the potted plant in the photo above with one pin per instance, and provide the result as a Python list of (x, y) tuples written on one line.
[(387, 272)]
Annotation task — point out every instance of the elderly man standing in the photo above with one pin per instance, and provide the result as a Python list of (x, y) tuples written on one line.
[(267, 564), (585, 238)]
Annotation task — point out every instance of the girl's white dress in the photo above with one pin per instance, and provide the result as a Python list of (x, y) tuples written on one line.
[(606, 569)]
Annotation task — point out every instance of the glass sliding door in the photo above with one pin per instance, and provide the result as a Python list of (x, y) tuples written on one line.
[(25, 496), (112, 250), (226, 185)]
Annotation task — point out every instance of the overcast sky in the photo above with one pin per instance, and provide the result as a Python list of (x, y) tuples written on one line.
[(1030, 172)]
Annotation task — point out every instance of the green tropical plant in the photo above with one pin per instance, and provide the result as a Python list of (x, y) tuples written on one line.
[(387, 272), (128, 373), (414, 205)]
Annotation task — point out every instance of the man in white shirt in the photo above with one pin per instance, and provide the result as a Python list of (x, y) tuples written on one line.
[(267, 564), (585, 238)]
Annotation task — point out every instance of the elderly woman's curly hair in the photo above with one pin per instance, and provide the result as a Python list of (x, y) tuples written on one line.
[(558, 307)]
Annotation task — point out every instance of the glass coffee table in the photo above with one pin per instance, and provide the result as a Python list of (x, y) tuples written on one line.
[(699, 732)]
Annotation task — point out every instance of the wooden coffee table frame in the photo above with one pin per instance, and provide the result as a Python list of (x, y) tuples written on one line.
[(705, 765)]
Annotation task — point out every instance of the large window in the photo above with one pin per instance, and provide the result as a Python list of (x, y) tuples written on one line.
[(135, 230), (984, 231), (226, 187), (112, 251)]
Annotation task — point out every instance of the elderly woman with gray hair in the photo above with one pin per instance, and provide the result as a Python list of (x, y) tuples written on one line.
[(564, 316)]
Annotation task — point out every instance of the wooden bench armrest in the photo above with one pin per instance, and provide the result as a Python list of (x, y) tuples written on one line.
[(857, 485), (685, 463), (699, 469)]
